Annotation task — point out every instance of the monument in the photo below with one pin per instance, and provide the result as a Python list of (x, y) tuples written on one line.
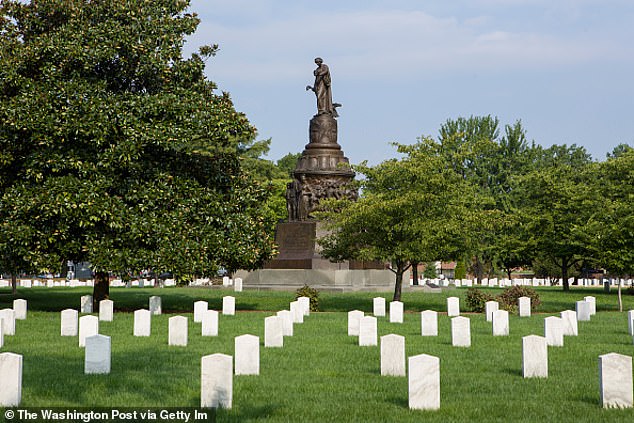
[(322, 172)]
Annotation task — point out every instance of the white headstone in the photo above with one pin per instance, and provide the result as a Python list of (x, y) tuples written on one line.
[(1, 336), (354, 318), (106, 310), (69, 322), (593, 304), (553, 331), (155, 305), (429, 323), (247, 354), (142, 323), (615, 381), (226, 281), (97, 355), (453, 306), (392, 355), (7, 318), (210, 323), (534, 356), (19, 308), (216, 381), (524, 306), (237, 287), (11, 377), (88, 326), (569, 323), (287, 322), (273, 332), (200, 307), (378, 306), (297, 312), (305, 303), (424, 382), (396, 312), (500, 323), (583, 309), (178, 331), (489, 308), (368, 335), (630, 322), (86, 304), (461, 332), (228, 306)]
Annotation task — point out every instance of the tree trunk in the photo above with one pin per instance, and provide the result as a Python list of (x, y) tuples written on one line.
[(14, 284), (101, 289), (564, 274), (415, 272), (620, 299), (398, 284), (508, 272)]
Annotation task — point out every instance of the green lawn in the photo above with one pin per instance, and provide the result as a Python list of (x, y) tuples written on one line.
[(320, 374)]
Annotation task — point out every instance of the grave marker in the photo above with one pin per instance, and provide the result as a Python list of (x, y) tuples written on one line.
[(155, 305), (177, 331), (392, 355), (461, 332), (367, 331), (69, 322), (273, 332), (553, 331), (453, 306), (86, 304), (11, 377), (396, 312), (142, 323), (247, 354), (287, 322), (354, 319), (216, 381), (569, 323), (19, 309), (524, 306), (534, 356), (490, 307), (583, 311), (210, 323), (593, 304), (297, 312), (429, 323), (97, 355), (500, 323), (228, 306), (106, 310), (378, 306), (88, 326), (424, 382), (305, 305), (7, 319), (200, 307), (237, 287), (615, 381)]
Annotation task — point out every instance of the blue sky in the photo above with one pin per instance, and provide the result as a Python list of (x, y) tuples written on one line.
[(403, 67)]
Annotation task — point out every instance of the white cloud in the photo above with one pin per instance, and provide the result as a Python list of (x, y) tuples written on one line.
[(394, 43)]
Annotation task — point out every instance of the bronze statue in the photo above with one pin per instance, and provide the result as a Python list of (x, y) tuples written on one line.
[(322, 89)]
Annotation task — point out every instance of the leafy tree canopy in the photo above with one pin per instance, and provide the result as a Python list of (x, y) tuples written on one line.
[(115, 149)]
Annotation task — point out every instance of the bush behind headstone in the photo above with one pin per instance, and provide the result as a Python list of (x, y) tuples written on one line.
[(312, 293)]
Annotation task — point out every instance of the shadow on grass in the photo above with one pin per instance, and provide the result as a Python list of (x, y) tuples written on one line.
[(246, 413), (513, 372), (398, 401)]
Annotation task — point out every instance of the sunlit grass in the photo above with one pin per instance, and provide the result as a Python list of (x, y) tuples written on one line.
[(320, 374)]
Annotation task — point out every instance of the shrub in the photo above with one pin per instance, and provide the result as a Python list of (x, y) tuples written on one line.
[(476, 299), (312, 293), (508, 299)]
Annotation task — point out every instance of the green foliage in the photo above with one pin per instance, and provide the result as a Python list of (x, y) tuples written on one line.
[(312, 293), (461, 270), (508, 299), (430, 270), (128, 159), (476, 299)]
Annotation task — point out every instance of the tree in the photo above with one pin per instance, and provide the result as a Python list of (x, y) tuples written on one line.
[(128, 158), (417, 207), (555, 203)]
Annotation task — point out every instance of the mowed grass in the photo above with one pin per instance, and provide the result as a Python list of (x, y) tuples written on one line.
[(320, 374)]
